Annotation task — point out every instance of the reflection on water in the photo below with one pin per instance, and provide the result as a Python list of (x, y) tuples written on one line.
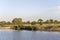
[(28, 35), (23, 35), (6, 35)]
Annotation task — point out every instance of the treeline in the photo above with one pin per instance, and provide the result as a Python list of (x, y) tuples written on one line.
[(18, 21)]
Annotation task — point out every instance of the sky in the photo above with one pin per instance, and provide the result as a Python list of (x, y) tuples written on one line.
[(29, 9)]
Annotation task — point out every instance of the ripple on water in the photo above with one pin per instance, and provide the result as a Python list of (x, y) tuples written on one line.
[(28, 35)]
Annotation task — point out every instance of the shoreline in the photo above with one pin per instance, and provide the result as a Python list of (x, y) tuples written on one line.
[(29, 27), (32, 31), (27, 30)]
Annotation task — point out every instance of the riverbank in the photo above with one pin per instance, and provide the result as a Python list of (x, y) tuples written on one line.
[(5, 28), (37, 27)]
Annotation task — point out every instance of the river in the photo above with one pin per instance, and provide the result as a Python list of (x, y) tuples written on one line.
[(28, 35)]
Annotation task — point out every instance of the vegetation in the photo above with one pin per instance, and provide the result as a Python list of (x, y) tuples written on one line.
[(40, 21), (33, 22), (18, 23)]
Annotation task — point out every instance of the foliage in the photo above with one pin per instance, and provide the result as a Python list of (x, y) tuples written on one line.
[(2, 23), (33, 22), (17, 21), (28, 22), (51, 21), (40, 21), (55, 21), (47, 21)]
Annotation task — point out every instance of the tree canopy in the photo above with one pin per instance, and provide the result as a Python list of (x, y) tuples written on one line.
[(17, 21)]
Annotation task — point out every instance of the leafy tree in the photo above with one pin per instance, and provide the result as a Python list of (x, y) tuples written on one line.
[(33, 22), (8, 23), (17, 21), (55, 21), (24, 22), (47, 21), (40, 21), (2, 23), (51, 21), (28, 22)]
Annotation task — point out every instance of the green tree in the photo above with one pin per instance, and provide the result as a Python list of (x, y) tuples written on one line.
[(33, 22), (17, 21), (8, 23), (55, 21), (51, 21), (28, 22), (2, 23), (47, 21), (40, 21)]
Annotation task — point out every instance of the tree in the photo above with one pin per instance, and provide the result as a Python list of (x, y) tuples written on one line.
[(17, 21), (55, 21), (33, 22), (8, 23), (51, 21), (47, 21), (28, 22), (33, 25), (40, 21), (2, 23)]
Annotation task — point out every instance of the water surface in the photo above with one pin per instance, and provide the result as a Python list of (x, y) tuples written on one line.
[(28, 35)]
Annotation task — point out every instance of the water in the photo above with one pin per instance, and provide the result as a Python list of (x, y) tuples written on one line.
[(28, 35)]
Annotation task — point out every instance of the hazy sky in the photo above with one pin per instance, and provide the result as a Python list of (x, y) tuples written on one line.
[(29, 9)]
